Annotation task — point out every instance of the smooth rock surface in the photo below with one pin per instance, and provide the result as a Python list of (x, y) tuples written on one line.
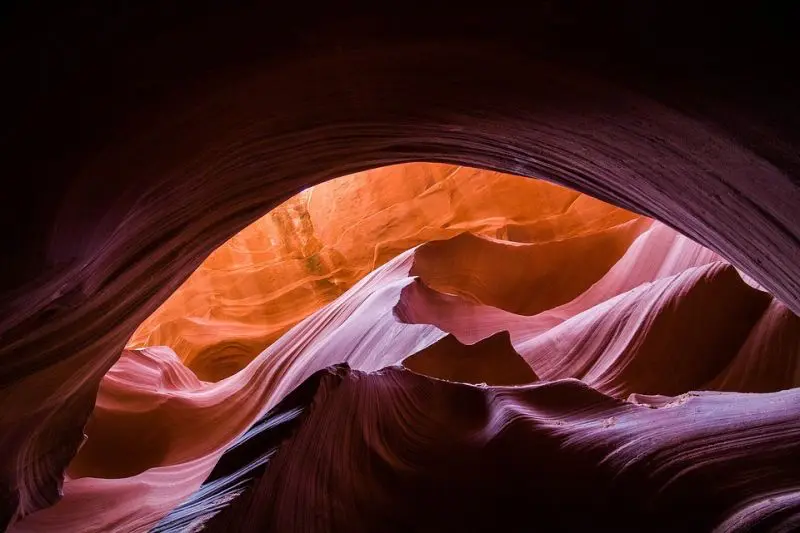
[(140, 137)]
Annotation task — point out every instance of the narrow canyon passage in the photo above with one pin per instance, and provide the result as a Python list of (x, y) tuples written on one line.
[(436, 279), (399, 268)]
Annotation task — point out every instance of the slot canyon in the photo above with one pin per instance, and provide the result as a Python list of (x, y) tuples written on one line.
[(399, 268)]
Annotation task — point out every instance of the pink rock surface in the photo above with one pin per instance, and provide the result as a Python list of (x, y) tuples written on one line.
[(177, 427), (690, 323), (393, 450), (140, 137)]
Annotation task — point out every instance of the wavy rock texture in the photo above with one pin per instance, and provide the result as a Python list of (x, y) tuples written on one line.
[(163, 433), (141, 137), (455, 457), (668, 317), (312, 248)]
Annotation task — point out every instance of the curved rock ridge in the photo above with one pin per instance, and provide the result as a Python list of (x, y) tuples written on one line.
[(396, 451), (360, 328), (671, 336), (770, 357), (174, 434), (659, 252), (246, 458), (523, 278), (140, 137), (309, 250), (668, 317), (491, 361)]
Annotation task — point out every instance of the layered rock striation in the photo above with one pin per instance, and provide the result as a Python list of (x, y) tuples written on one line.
[(471, 362), (138, 138)]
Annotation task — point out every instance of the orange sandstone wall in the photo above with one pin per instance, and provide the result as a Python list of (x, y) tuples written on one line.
[(315, 246)]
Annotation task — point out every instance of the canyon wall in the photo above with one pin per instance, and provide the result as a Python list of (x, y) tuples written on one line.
[(139, 138), (597, 325), (309, 250)]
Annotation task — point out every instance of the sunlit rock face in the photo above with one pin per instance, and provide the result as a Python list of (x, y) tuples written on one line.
[(312, 248), (140, 136), (429, 347)]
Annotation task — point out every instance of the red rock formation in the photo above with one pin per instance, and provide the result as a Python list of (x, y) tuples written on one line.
[(665, 325), (451, 456), (312, 248), (172, 461), (491, 361), (139, 138)]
